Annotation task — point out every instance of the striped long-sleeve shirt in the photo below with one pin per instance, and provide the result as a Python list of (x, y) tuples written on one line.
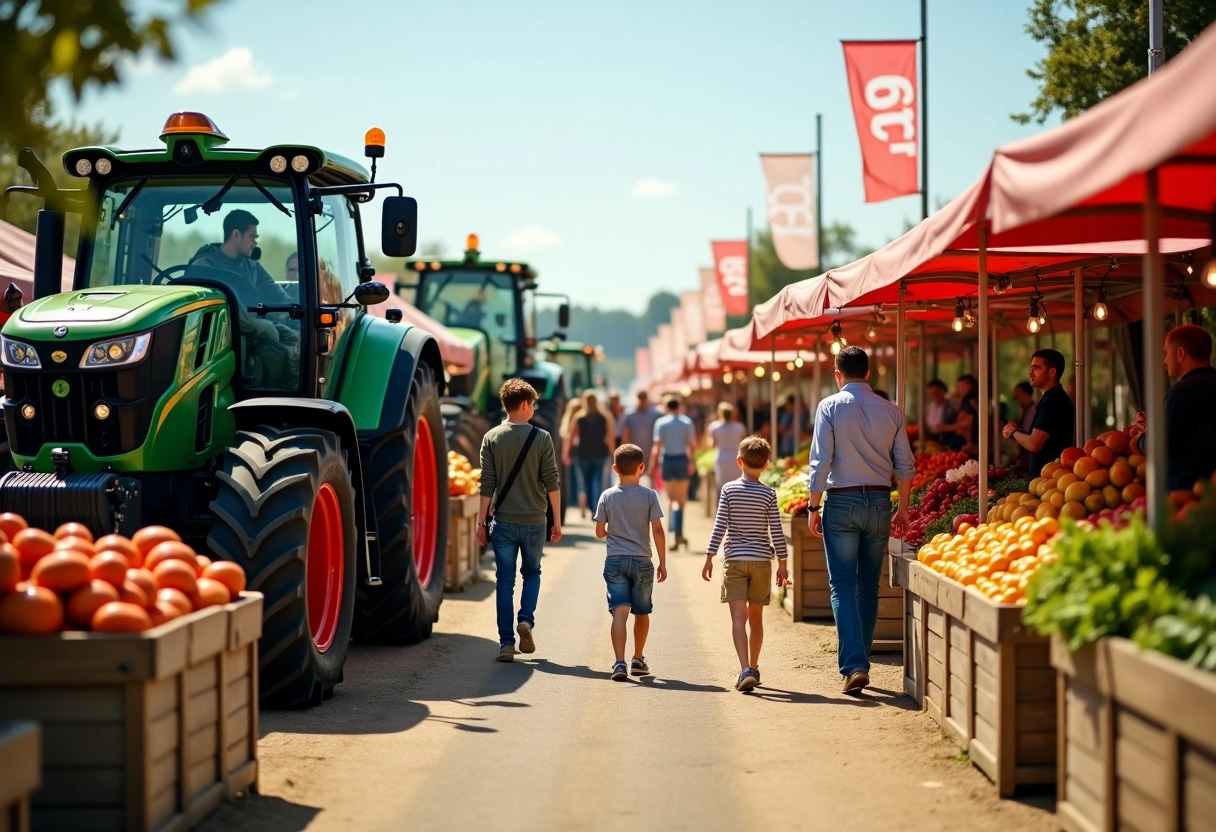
[(749, 522)]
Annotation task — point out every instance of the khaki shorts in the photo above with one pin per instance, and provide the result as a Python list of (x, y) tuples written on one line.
[(748, 580)]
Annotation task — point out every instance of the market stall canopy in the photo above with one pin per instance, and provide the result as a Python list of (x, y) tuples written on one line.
[(457, 355), (17, 261)]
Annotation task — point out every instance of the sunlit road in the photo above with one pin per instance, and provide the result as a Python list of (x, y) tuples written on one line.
[(440, 736)]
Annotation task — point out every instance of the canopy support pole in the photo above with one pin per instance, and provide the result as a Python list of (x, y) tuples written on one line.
[(921, 381), (901, 352), (995, 363), (1080, 373), (1088, 399), (817, 379), (751, 407), (1154, 336), (985, 413), (772, 398), (797, 403)]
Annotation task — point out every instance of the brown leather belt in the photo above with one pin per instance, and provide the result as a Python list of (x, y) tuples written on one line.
[(886, 488)]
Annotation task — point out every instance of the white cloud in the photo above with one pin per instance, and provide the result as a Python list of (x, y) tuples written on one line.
[(146, 63), (234, 70), (653, 189), (532, 238)]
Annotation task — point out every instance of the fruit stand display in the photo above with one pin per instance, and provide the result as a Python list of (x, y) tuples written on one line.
[(139, 659), (464, 553), (20, 773), (1134, 640)]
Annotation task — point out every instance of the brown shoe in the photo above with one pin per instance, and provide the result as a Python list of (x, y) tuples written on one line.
[(506, 653), (858, 680)]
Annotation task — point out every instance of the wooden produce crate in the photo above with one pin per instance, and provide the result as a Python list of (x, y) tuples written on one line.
[(811, 595), (982, 676), (140, 731), (1137, 740), (20, 773), (464, 552)]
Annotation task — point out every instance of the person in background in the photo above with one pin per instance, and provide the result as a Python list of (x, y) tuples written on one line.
[(787, 431), (1190, 443), (859, 442), (675, 447), (1055, 418), (590, 436), (292, 267), (1023, 394), (967, 423), (940, 412), (574, 407), (638, 429), (12, 302), (724, 435), (617, 411)]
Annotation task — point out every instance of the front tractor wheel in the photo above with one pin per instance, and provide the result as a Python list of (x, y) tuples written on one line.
[(406, 475), (285, 511)]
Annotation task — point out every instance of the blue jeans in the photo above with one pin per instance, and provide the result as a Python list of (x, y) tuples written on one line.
[(591, 471), (630, 583), (856, 527), (510, 540)]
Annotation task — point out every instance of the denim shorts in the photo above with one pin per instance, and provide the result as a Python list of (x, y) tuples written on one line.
[(630, 583), (675, 468)]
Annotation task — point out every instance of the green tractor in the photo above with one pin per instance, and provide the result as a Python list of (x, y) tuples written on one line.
[(249, 402), (491, 305), (579, 362)]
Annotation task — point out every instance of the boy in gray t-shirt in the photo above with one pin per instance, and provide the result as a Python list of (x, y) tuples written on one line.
[(627, 515)]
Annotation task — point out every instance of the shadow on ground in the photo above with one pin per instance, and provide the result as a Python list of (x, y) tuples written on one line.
[(386, 689), (258, 813)]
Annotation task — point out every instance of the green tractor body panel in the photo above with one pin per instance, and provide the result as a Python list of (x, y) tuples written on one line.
[(369, 362), (475, 384)]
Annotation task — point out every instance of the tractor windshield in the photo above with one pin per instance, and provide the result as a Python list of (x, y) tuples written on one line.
[(576, 366), (484, 301), (237, 232)]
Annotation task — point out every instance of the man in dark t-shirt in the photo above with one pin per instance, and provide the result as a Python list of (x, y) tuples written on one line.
[(1055, 420), (1190, 442)]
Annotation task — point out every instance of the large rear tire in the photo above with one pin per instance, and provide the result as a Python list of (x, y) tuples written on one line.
[(548, 417), (284, 510), (464, 430), (407, 483)]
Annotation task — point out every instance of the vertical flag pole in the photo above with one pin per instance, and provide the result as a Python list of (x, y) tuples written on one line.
[(772, 395), (750, 302), (1156, 43), (924, 110), (819, 191)]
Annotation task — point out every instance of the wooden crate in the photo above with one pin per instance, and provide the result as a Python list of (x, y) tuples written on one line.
[(20, 773), (811, 595), (1137, 740), (981, 675), (464, 552), (142, 731)]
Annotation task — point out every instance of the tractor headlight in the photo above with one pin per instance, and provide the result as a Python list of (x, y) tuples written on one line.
[(104, 166), (278, 164), (116, 351), (19, 354)]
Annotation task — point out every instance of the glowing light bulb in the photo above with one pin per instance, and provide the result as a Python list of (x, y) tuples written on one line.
[(1032, 324), (759, 372), (957, 325), (835, 348)]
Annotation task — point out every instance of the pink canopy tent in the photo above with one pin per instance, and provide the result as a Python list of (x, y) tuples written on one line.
[(17, 261), (457, 355)]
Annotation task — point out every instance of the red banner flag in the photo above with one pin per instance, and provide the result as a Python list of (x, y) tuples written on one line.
[(711, 300), (886, 103), (791, 208), (730, 264)]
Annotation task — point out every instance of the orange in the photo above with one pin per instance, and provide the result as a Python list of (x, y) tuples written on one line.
[(1112, 497), (1098, 479), (176, 574), (1085, 466), (148, 537), (175, 598), (171, 550), (210, 593), (203, 562), (33, 610), (121, 617), (1132, 492), (1066, 479), (109, 566), (232, 575), (1074, 510), (11, 523), (132, 593), (62, 571), (1094, 502), (1070, 456), (1093, 443), (1103, 455), (75, 544), (74, 530), (118, 543), (143, 579), (1077, 492), (1117, 441), (1121, 474), (32, 545), (88, 600), (1050, 469), (10, 568)]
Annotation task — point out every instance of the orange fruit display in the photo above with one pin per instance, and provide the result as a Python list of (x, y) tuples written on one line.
[(229, 574), (33, 610), (88, 600), (74, 530), (121, 617), (147, 538), (62, 571)]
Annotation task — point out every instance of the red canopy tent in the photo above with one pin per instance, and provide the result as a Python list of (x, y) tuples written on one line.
[(457, 355)]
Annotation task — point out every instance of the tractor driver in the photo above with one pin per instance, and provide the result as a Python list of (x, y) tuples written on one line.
[(275, 344)]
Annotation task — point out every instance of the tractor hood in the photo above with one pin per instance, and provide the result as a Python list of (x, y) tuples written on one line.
[(472, 337), (110, 310)]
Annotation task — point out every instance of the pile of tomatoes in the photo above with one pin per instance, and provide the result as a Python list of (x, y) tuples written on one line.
[(69, 581), (931, 466)]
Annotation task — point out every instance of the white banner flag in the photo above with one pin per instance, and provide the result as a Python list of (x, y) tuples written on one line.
[(711, 301), (679, 337), (694, 317), (791, 209)]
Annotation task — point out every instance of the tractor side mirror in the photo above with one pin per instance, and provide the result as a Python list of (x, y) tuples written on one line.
[(563, 316), (399, 226), (371, 293)]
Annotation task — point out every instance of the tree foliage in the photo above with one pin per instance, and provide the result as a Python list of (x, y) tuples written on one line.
[(80, 43), (1097, 47)]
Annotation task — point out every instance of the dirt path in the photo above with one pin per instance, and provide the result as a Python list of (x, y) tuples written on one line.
[(440, 736)]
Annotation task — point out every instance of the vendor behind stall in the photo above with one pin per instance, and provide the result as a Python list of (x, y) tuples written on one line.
[(1054, 426)]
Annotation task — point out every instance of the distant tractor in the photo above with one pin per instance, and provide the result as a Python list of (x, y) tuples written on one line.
[(579, 363), (490, 304), (214, 370)]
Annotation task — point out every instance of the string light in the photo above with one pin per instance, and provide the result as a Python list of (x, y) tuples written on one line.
[(1100, 311), (838, 341), (1033, 319), (728, 377), (835, 348), (789, 365), (798, 360), (759, 371), (959, 311), (776, 375)]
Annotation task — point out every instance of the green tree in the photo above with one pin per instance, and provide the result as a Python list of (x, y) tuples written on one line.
[(1097, 47), (81, 43)]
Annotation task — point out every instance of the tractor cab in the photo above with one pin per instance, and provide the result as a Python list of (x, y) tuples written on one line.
[(579, 364)]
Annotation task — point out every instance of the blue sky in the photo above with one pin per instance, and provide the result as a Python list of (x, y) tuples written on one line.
[(606, 143)]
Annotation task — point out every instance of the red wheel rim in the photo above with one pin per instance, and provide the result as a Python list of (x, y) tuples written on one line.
[(426, 502), (326, 571)]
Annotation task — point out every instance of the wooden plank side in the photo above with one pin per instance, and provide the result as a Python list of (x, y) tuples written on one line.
[(20, 762), (1076, 816), (208, 636), (891, 608), (889, 629), (1036, 747), (1086, 769), (1136, 765), (162, 736), (1036, 716), (937, 673), (91, 703), (203, 710), (1034, 655), (201, 776), (137, 765), (1198, 790), (68, 744), (75, 819), (1036, 684), (201, 745), (936, 618), (1180, 697), (201, 677), (1084, 717), (1139, 812), (97, 786)]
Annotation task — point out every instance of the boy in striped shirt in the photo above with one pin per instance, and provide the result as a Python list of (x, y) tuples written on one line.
[(748, 521)]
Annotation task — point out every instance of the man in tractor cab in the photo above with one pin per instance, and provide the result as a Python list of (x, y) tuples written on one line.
[(272, 346)]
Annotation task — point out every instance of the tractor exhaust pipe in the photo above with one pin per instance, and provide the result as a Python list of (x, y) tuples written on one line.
[(48, 246)]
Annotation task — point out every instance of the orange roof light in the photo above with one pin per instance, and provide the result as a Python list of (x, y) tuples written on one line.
[(373, 143), (190, 123), (472, 242)]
